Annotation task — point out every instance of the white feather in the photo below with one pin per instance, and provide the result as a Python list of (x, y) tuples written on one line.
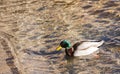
[(86, 45), (85, 52), (87, 48)]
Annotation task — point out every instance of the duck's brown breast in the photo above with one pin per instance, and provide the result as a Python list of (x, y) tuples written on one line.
[(69, 52)]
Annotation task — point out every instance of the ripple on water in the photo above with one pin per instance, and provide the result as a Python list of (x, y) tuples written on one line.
[(51, 41), (110, 4), (52, 35)]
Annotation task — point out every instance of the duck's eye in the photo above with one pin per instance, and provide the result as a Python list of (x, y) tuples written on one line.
[(65, 44)]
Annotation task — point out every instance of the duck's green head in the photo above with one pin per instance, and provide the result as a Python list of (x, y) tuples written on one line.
[(64, 44)]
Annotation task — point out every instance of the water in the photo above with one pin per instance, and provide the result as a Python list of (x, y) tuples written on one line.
[(37, 27)]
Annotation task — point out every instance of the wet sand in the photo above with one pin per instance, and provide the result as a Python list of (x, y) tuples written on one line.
[(32, 30)]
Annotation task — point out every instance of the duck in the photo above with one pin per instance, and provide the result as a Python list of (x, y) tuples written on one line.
[(82, 48)]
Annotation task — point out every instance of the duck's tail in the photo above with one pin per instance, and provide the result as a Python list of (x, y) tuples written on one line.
[(100, 43)]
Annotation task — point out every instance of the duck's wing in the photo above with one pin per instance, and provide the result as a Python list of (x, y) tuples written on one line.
[(85, 52), (85, 45)]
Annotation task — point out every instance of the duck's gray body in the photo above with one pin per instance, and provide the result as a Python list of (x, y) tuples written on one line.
[(87, 48)]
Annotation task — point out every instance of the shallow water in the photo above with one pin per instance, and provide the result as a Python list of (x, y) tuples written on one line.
[(33, 29)]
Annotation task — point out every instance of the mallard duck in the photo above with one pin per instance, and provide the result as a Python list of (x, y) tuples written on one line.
[(82, 48)]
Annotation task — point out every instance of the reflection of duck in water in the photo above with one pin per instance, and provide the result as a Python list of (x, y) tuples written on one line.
[(83, 48)]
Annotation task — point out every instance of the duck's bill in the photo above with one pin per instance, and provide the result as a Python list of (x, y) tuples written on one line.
[(59, 48)]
